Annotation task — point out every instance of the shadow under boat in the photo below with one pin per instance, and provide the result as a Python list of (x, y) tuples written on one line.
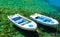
[(48, 29), (27, 33)]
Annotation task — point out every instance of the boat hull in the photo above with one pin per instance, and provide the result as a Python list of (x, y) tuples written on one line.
[(31, 26), (44, 23)]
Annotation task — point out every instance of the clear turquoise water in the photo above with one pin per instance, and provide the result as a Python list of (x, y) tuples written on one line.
[(54, 2), (31, 5)]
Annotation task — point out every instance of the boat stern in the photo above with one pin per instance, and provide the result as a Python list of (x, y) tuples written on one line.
[(32, 26)]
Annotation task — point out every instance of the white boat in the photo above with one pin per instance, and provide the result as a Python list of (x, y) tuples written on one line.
[(45, 20), (22, 22)]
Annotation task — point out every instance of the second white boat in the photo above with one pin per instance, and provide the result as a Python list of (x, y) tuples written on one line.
[(45, 20)]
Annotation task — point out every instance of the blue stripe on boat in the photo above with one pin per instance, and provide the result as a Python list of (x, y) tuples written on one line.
[(44, 19), (22, 21), (47, 20), (16, 18), (40, 18)]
